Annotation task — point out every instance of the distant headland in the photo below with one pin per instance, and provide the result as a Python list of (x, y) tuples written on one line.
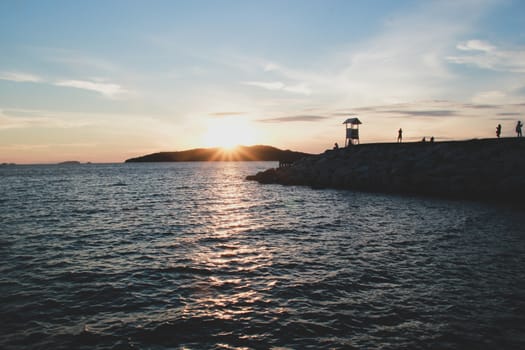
[(484, 169), (70, 162), (239, 153)]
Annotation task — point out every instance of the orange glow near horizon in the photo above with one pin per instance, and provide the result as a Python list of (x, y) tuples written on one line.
[(232, 154), (227, 133)]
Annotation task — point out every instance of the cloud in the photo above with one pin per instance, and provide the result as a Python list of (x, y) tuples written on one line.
[(106, 89), (275, 85), (19, 77), (480, 106), (423, 113), (484, 55), (509, 114), (22, 118), (520, 90), (419, 109), (302, 88), (404, 61), (226, 114), (109, 90), (78, 60), (427, 110), (12, 122), (493, 97), (475, 45), (295, 118), (343, 114), (271, 67)]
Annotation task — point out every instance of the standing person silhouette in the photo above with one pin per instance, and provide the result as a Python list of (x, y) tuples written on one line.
[(498, 130), (518, 128), (399, 135)]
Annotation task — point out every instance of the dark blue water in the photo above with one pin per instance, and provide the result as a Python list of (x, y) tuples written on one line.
[(192, 256)]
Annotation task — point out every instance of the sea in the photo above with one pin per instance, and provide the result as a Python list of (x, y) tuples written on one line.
[(193, 256)]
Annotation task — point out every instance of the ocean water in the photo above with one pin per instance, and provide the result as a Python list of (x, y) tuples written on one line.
[(192, 256)]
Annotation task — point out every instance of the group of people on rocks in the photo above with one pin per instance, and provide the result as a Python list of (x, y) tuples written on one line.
[(400, 137), (519, 125)]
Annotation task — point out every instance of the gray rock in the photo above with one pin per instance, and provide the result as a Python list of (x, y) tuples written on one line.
[(479, 169)]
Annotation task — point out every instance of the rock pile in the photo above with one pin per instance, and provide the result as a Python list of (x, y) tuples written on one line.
[(474, 169)]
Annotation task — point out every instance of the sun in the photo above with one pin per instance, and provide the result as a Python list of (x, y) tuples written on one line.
[(227, 133)]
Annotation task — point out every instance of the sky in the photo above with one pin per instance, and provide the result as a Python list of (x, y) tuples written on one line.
[(103, 81)]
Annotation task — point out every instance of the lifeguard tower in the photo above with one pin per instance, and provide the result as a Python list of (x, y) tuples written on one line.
[(352, 131)]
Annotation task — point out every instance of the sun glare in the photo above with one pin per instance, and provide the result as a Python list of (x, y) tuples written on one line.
[(228, 133)]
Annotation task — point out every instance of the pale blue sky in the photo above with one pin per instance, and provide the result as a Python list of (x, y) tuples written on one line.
[(107, 80)]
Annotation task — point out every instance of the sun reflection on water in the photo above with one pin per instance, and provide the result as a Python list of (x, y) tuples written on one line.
[(228, 290)]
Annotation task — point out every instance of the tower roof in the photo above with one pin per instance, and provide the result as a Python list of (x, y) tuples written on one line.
[(352, 121)]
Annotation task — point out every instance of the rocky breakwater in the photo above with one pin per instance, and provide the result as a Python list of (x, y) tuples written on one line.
[(491, 169)]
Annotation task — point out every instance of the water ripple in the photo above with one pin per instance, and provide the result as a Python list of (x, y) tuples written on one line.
[(189, 255)]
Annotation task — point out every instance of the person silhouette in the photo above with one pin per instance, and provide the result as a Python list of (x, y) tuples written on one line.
[(518, 128), (400, 135), (498, 130), (336, 145)]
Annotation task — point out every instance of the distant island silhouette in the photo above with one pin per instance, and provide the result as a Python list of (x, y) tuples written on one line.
[(70, 162), (239, 153)]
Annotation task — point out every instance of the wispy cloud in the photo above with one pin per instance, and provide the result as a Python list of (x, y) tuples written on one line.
[(520, 90), (505, 119), (483, 54), (480, 106), (225, 114), (107, 89), (22, 118), (492, 97), (423, 113), (295, 118), (77, 60), (301, 88), (20, 77), (343, 114), (425, 110), (268, 67), (509, 114), (275, 85), (7, 122), (404, 62), (475, 45)]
